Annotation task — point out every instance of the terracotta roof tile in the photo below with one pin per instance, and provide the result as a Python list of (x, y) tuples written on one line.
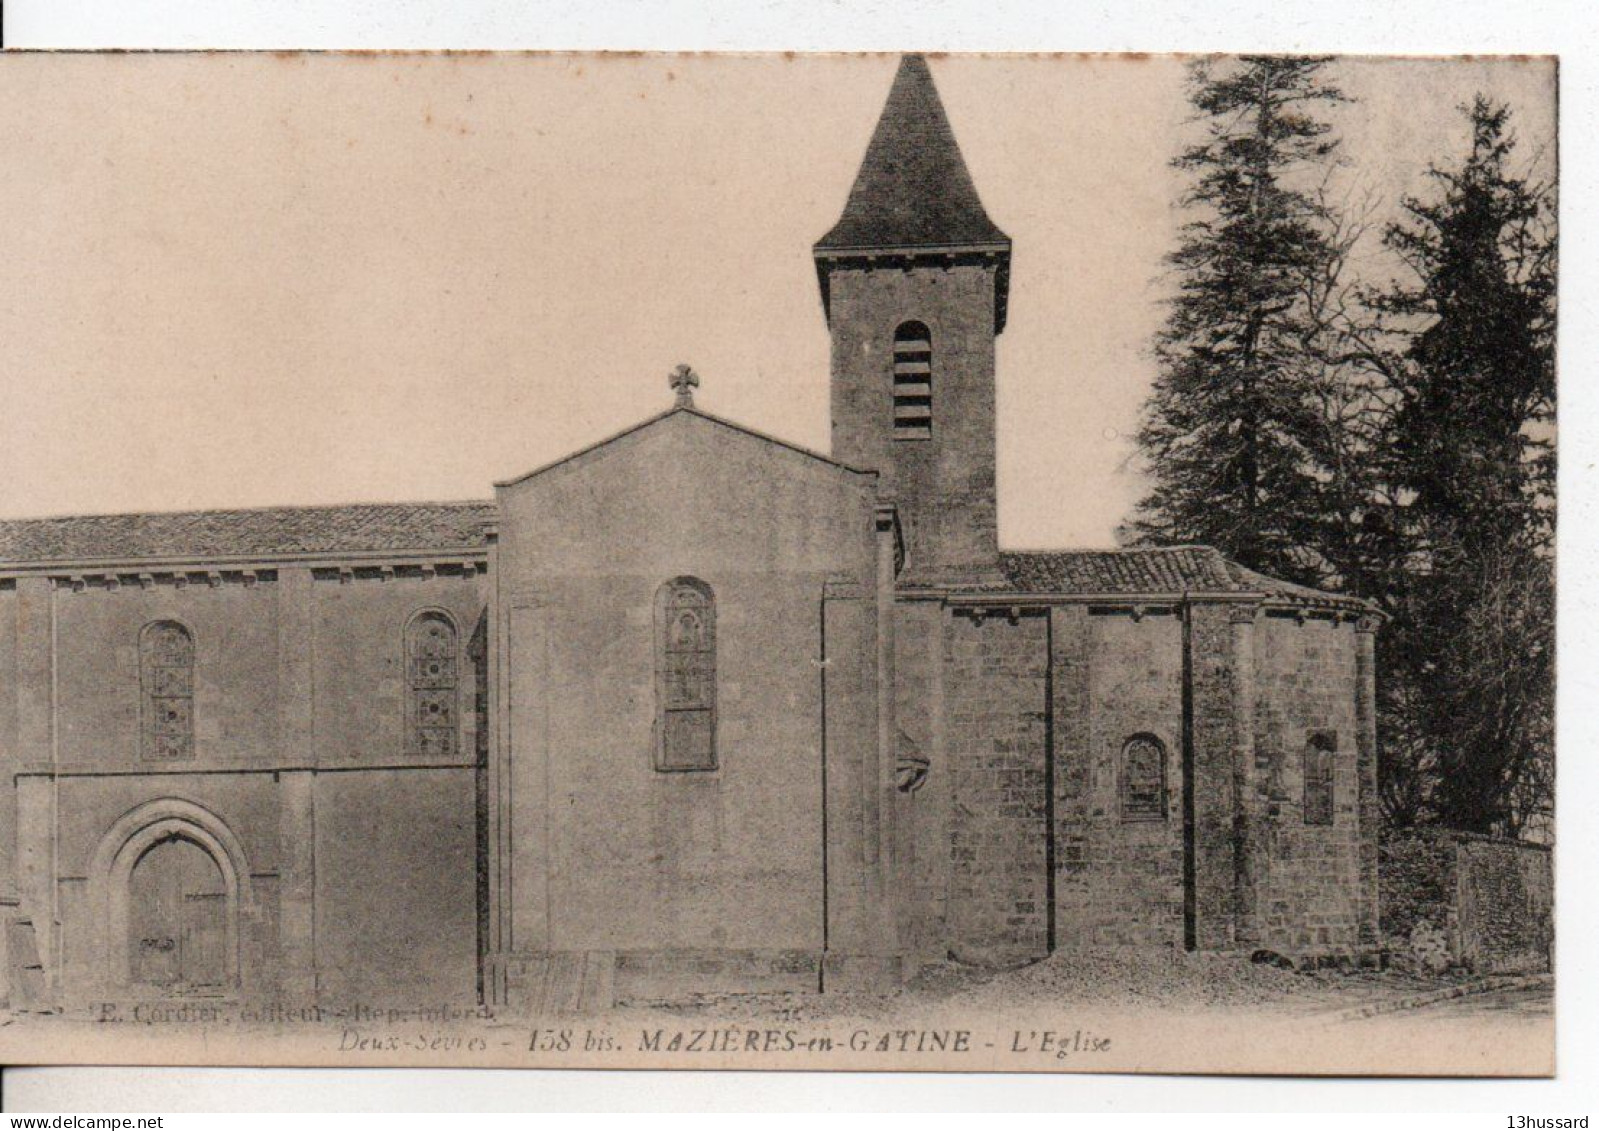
[(245, 533), (1161, 570), (1167, 570), (1288, 590)]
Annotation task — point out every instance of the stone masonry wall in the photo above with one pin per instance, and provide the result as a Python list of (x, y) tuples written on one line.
[(1119, 881), (1212, 688), (922, 823), (1232, 695), (1469, 902), (597, 850), (1309, 895), (12, 757), (944, 486), (996, 710), (1506, 906)]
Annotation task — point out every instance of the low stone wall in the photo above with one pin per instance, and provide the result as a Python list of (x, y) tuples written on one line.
[(1454, 900)]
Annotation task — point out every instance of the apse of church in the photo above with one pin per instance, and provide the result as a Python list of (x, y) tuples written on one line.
[(692, 709)]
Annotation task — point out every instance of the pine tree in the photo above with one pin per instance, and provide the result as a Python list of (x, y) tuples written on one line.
[(1232, 433), (1477, 402), (1468, 655)]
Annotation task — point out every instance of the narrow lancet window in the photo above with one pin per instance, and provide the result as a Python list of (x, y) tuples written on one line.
[(685, 676), (166, 677), (913, 382), (432, 684), (1321, 755)]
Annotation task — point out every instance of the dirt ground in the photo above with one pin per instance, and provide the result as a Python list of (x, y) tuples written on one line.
[(1516, 1005), (1096, 1011), (1130, 982)]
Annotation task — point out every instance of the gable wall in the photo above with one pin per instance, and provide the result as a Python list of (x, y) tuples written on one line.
[(604, 852)]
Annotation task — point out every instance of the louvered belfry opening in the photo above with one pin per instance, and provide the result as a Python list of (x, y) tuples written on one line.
[(913, 382)]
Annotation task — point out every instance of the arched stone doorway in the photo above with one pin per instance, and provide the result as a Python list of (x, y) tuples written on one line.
[(174, 888), (177, 918)]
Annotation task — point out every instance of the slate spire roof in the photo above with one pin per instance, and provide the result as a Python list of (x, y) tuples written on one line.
[(913, 189)]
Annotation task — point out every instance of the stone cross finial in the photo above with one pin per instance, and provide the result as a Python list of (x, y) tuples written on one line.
[(684, 381)]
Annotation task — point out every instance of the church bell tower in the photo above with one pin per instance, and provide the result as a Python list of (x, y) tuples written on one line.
[(914, 280)]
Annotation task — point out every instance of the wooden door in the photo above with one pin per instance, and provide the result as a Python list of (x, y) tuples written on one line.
[(203, 948), (177, 922)]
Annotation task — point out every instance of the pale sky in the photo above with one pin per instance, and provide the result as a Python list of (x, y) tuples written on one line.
[(253, 280)]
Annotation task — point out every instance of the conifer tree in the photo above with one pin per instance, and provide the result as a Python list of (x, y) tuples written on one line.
[(1468, 655), (1231, 432)]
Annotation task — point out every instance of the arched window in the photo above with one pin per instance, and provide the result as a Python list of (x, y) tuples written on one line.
[(913, 382), (685, 666), (1321, 755), (1143, 779), (166, 680), (432, 668)]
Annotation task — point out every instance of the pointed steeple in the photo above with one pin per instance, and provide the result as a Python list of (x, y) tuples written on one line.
[(913, 190), (914, 280)]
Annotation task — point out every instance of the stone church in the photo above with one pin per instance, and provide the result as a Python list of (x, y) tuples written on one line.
[(692, 709)]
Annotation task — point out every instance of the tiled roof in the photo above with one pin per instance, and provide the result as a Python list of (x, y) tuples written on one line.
[(913, 188), (246, 533), (270, 532), (1173, 569), (1287, 590)]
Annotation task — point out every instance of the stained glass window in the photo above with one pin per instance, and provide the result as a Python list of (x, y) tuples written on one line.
[(432, 679), (166, 676), (686, 674)]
